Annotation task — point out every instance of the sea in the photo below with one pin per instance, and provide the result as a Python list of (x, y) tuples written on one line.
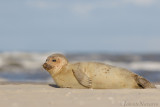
[(27, 66)]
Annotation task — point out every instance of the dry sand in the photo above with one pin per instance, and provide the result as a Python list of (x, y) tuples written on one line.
[(44, 95)]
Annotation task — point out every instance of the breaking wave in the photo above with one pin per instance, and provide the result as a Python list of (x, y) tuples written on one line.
[(18, 61)]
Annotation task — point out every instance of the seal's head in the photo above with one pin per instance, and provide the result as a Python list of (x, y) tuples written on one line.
[(54, 63)]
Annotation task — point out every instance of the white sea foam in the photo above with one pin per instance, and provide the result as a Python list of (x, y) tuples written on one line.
[(21, 60), (141, 65)]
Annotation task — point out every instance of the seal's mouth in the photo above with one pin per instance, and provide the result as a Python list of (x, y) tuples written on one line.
[(47, 66)]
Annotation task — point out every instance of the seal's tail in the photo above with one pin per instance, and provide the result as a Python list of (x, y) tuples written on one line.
[(143, 83)]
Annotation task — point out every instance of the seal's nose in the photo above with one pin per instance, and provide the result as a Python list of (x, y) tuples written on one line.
[(47, 66)]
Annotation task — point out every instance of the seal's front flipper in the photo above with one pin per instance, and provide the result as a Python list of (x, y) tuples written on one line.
[(143, 83), (82, 77)]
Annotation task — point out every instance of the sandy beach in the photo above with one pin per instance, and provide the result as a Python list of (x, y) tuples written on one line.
[(48, 95)]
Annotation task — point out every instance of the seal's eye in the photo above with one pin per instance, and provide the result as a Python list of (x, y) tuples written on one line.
[(53, 60)]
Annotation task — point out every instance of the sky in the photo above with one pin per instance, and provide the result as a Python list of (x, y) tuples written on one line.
[(123, 26)]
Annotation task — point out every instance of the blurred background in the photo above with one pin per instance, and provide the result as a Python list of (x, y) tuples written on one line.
[(125, 33)]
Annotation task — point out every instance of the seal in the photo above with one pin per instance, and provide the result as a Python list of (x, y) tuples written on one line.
[(92, 75)]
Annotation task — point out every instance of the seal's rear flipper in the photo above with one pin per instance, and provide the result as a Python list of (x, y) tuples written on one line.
[(143, 83)]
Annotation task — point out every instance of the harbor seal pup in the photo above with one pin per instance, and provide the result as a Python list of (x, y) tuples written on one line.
[(92, 75)]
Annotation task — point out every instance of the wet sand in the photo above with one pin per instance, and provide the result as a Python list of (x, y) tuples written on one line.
[(47, 95)]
